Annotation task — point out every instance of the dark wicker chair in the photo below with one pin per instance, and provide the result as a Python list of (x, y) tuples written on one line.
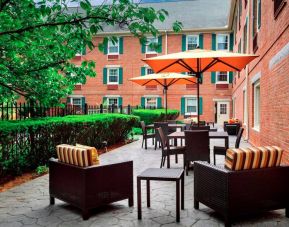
[(90, 187), (197, 147), (193, 127), (231, 129), (222, 150), (168, 150), (146, 135), (165, 128), (238, 193)]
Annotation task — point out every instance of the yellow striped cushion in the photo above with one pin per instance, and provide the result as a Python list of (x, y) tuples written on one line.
[(93, 158), (253, 158), (74, 155)]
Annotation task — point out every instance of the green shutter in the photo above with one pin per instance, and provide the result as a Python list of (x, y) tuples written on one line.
[(231, 77), (104, 75), (68, 100), (105, 48), (201, 79), (104, 100), (201, 41), (259, 13), (231, 41), (160, 44), (213, 77), (120, 101), (201, 105), (120, 45), (184, 42), (83, 103), (143, 71), (120, 76), (183, 106), (143, 48), (142, 102), (213, 41), (83, 50), (159, 102)]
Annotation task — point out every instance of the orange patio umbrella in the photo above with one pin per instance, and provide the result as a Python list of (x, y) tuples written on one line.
[(165, 80), (198, 61)]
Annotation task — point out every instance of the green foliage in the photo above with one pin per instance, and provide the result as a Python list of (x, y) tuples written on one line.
[(26, 144), (42, 169), (151, 116), (136, 131), (38, 39)]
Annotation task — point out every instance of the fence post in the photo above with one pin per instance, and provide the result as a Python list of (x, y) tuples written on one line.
[(85, 108), (128, 109), (112, 108), (101, 108)]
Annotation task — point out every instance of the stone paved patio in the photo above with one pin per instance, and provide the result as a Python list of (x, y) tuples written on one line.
[(28, 204)]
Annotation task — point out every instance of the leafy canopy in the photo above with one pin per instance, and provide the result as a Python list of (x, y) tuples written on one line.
[(39, 38)]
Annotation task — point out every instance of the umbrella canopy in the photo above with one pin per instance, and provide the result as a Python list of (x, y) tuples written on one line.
[(165, 80), (199, 60)]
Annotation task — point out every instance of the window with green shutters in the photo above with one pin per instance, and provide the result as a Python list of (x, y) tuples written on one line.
[(113, 75), (189, 105), (151, 102), (145, 70), (148, 49), (190, 42), (114, 48)]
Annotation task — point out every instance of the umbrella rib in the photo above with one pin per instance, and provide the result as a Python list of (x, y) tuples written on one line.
[(190, 81), (159, 82), (173, 81), (184, 64), (168, 66), (213, 62), (228, 64), (147, 82)]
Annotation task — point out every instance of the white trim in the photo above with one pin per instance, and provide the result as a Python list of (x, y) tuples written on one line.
[(112, 96), (190, 96), (221, 100), (117, 47), (146, 46), (112, 66), (192, 35), (108, 75), (222, 82), (255, 78), (255, 128), (256, 102), (279, 56), (146, 102), (151, 96), (186, 102), (75, 96), (227, 34)]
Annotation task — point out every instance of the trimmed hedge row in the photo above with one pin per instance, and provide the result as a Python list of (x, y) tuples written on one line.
[(24, 145), (151, 116)]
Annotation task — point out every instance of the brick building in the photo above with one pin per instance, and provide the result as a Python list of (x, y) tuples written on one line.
[(258, 95)]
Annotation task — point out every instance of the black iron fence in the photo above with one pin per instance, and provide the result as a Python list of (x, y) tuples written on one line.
[(21, 111)]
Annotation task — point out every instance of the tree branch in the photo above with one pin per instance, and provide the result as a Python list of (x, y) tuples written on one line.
[(13, 89)]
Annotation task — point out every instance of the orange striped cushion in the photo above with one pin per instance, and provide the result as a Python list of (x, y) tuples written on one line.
[(253, 158), (93, 158), (74, 155)]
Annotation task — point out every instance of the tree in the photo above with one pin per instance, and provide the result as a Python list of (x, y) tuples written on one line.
[(39, 38)]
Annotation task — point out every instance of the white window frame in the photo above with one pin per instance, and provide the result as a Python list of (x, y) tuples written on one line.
[(146, 102), (186, 105), (109, 43), (108, 75), (146, 70), (257, 106), (148, 43), (108, 98), (222, 82), (245, 116), (217, 48), (187, 38)]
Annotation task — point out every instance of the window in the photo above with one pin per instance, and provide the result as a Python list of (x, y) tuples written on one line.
[(113, 75), (256, 16), (257, 105), (223, 108), (240, 46), (244, 106), (191, 106), (222, 42), (245, 34), (76, 101), (112, 101), (192, 42), (222, 78), (151, 103), (149, 71), (150, 49), (113, 48), (240, 12), (278, 6)]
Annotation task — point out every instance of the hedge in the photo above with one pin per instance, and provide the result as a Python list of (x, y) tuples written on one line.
[(151, 116), (26, 144)]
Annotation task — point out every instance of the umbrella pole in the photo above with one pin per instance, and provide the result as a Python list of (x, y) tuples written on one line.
[(198, 96), (166, 101)]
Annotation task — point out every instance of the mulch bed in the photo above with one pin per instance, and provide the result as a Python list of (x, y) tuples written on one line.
[(11, 181)]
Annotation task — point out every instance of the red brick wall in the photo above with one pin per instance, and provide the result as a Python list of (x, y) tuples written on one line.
[(274, 83)]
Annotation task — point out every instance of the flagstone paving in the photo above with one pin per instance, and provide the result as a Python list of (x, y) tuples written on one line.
[(28, 204)]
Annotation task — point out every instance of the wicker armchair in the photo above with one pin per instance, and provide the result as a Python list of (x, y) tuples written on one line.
[(238, 193), (90, 187), (146, 135)]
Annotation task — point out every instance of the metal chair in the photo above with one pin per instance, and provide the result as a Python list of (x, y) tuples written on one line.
[(222, 150), (146, 135)]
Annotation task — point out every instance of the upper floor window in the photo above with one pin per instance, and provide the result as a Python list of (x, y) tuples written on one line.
[(113, 47), (149, 71), (222, 42), (113, 76), (222, 78), (192, 42), (278, 6), (149, 48), (245, 37), (257, 105)]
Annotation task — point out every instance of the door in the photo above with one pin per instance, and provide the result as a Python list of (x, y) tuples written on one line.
[(222, 112)]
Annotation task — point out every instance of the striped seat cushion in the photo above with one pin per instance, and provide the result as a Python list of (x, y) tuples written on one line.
[(93, 155), (253, 158), (74, 155)]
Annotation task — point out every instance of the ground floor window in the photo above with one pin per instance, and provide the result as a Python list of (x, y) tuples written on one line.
[(191, 106), (151, 102), (76, 101), (244, 106), (112, 101), (257, 105)]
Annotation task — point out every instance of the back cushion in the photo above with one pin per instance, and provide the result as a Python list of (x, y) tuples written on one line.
[(253, 157), (74, 155), (93, 157)]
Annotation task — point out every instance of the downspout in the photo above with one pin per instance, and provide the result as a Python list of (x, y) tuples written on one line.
[(166, 38)]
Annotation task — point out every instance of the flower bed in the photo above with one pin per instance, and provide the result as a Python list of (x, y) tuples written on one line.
[(25, 145)]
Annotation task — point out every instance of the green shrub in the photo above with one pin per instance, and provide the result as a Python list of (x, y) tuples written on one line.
[(42, 169), (26, 144), (151, 116)]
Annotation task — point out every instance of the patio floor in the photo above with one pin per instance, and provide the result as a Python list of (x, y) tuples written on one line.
[(28, 204)]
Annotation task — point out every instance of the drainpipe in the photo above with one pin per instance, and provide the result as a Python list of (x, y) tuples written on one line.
[(166, 37)]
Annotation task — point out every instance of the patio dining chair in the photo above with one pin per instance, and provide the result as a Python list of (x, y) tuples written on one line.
[(200, 128), (222, 150), (165, 128), (197, 147), (146, 135), (168, 150)]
